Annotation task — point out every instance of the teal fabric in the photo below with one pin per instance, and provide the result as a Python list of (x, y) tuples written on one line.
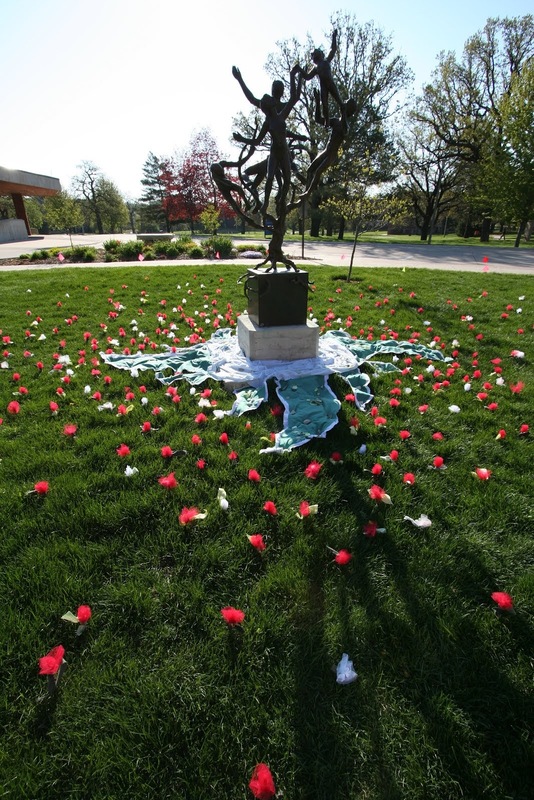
[(310, 406), (311, 409)]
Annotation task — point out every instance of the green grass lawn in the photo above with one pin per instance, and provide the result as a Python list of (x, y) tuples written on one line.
[(160, 697)]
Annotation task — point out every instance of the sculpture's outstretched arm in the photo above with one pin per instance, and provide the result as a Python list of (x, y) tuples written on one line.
[(246, 91)]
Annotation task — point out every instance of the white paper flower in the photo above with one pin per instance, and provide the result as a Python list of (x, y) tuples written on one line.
[(454, 409), (345, 671), (221, 497), (421, 522), (130, 471), (467, 387)]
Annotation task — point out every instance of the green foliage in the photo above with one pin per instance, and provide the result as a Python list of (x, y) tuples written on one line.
[(129, 251), (63, 212), (112, 245), (218, 244), (195, 251), (243, 248), (210, 219)]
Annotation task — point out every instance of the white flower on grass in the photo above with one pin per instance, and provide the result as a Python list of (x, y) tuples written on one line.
[(204, 402), (106, 407), (64, 359), (219, 414), (421, 522), (87, 389), (4, 365), (362, 449), (221, 497), (454, 409), (500, 381), (345, 672), (431, 368), (130, 471), (467, 387), (144, 401), (41, 338)]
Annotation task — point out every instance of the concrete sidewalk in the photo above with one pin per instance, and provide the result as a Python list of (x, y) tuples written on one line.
[(459, 258)]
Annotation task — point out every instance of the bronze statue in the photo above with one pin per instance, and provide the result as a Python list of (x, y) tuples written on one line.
[(277, 174)]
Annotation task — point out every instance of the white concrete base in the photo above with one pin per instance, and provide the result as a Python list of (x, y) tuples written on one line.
[(13, 230), (279, 342)]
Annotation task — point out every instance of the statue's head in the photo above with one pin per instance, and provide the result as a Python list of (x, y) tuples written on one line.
[(317, 56), (277, 89), (350, 107), (267, 103)]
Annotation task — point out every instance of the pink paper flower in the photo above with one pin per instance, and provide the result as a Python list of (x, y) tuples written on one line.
[(50, 664), (187, 515), (369, 529), (233, 616), (13, 407), (343, 557), (404, 435), (166, 451), (70, 430), (503, 600), (379, 495), (409, 478), (41, 487), (482, 473), (254, 476), (123, 450), (168, 481), (257, 541), (313, 469), (261, 783), (83, 614), (270, 508)]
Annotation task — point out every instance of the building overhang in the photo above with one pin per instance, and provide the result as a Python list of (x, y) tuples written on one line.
[(17, 181)]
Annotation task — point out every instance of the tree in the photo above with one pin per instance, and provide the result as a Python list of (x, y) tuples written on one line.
[(508, 175), (102, 202), (155, 193), (462, 104), (210, 219), (430, 176), (63, 212), (368, 212)]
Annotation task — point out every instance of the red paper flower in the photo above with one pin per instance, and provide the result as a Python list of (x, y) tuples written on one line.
[(223, 438), (270, 508), (200, 419), (404, 435), (146, 427), (394, 455), (438, 462), (517, 388), (380, 422), (523, 429), (256, 540), (187, 515), (201, 463), (254, 476), (168, 481), (503, 600), (50, 664), (369, 529), (70, 430), (343, 557), (233, 456), (482, 473), (376, 469), (166, 451), (41, 487), (233, 616), (196, 439), (409, 478), (83, 614), (123, 450), (261, 784), (378, 494), (313, 469), (13, 407), (438, 436)]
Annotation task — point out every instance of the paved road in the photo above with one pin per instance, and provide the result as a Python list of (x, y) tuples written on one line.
[(462, 258)]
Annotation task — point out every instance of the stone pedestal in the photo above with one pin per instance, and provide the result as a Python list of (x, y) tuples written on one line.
[(277, 342)]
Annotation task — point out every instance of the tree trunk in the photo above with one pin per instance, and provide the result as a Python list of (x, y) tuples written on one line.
[(522, 226), (341, 231), (485, 232)]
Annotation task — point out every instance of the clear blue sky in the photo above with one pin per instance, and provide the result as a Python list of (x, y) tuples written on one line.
[(110, 80)]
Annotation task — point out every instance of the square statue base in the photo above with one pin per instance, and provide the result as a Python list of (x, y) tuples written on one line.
[(278, 342)]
